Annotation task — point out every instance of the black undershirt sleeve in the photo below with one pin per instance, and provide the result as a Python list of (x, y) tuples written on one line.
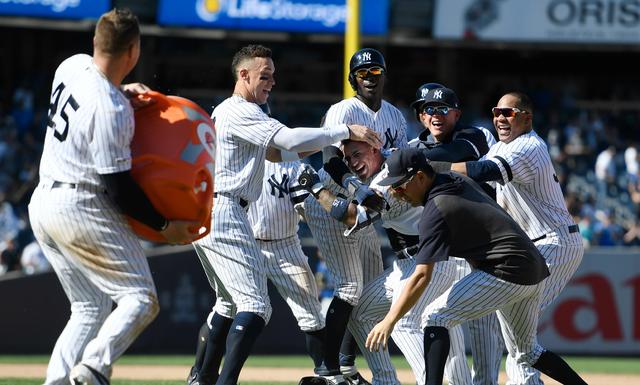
[(130, 198), (483, 171)]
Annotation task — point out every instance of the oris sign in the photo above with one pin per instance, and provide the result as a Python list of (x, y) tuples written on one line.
[(563, 21)]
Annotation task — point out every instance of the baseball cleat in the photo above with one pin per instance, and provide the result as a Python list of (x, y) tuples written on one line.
[(357, 379), (84, 375)]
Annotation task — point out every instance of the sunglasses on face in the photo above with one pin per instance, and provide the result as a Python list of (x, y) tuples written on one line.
[(507, 112), (365, 72), (402, 184), (441, 110)]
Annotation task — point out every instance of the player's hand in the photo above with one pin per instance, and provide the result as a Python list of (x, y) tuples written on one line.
[(310, 181), (136, 92), (364, 134), (364, 195), (181, 232), (378, 336)]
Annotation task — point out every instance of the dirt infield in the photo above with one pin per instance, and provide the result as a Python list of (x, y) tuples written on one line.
[(178, 372)]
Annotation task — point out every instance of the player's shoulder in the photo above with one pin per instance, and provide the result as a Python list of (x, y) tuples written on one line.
[(236, 105), (78, 62)]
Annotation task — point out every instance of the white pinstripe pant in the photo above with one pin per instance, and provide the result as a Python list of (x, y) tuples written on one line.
[(97, 259), (479, 294), (376, 300), (353, 261), (486, 341), (233, 262), (563, 252), (289, 271)]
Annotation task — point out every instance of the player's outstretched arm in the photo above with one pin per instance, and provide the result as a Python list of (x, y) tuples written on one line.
[(413, 289), (304, 139), (340, 209)]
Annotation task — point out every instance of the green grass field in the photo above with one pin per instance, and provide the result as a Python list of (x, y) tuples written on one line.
[(607, 365)]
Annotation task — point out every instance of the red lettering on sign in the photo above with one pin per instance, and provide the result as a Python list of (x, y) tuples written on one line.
[(603, 306), (635, 284)]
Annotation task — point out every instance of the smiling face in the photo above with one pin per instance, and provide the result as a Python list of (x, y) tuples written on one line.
[(370, 88), (509, 128), (440, 126), (362, 159), (255, 79)]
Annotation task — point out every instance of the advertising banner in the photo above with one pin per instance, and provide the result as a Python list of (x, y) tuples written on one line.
[(311, 16), (565, 21), (599, 310), (62, 9)]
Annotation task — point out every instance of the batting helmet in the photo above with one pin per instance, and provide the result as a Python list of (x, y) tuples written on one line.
[(421, 94), (365, 57), (173, 152)]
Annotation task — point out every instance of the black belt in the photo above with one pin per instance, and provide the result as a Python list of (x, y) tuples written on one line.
[(572, 229), (57, 184), (242, 202)]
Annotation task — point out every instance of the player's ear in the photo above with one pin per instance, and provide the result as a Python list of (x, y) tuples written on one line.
[(243, 74)]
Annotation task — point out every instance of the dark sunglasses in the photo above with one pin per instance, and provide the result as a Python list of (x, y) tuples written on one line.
[(507, 112), (440, 110), (372, 71)]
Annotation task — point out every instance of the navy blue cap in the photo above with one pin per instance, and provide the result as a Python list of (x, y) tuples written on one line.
[(403, 163), (441, 97)]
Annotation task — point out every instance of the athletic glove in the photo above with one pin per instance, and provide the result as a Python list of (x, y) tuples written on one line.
[(363, 194), (310, 181)]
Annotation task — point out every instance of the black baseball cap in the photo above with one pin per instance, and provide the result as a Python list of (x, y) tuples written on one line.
[(404, 163), (441, 97)]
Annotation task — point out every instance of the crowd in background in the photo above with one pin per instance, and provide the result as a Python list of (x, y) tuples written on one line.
[(595, 153)]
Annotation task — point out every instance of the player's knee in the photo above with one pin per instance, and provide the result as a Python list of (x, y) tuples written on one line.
[(144, 306)]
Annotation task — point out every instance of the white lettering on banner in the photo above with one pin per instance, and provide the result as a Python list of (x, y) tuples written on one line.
[(56, 5), (576, 21), (329, 15)]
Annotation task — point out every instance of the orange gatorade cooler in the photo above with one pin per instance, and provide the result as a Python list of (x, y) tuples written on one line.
[(173, 152)]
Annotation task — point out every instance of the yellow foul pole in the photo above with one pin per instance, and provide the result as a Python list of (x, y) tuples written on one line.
[(351, 40)]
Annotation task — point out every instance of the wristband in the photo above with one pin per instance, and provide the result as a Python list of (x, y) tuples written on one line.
[(339, 209)]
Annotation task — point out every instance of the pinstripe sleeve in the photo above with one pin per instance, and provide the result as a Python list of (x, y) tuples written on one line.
[(111, 140), (402, 132), (252, 125)]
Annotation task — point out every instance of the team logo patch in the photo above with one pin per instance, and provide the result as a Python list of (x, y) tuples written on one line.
[(437, 94)]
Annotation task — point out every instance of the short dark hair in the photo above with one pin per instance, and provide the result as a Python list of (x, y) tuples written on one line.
[(116, 30), (248, 52), (523, 101)]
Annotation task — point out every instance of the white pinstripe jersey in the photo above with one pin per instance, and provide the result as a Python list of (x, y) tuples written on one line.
[(90, 126), (401, 216), (529, 190), (273, 215), (387, 121), (243, 132)]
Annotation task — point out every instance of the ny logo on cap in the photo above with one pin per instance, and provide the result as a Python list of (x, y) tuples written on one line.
[(424, 92), (437, 94), (365, 56)]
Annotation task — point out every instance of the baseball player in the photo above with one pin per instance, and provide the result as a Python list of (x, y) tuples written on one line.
[(76, 211), (508, 270), (356, 260), (529, 190), (230, 255), (274, 221), (438, 109), (400, 222)]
